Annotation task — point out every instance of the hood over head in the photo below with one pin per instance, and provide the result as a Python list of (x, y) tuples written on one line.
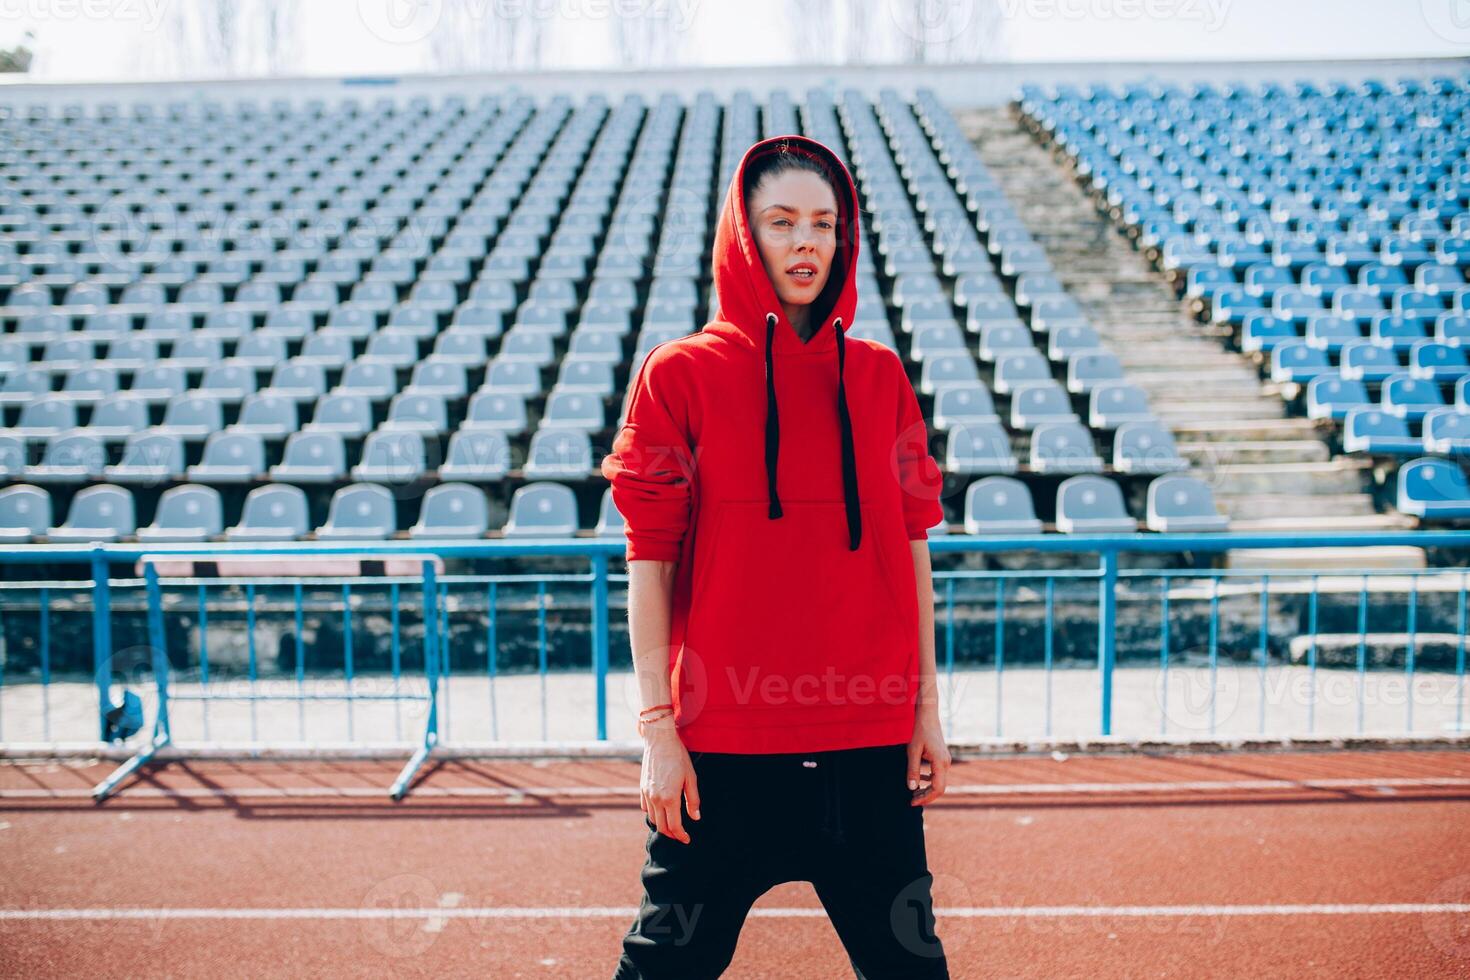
[(750, 312)]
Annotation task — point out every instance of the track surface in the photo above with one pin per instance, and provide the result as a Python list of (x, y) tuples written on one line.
[(1312, 864)]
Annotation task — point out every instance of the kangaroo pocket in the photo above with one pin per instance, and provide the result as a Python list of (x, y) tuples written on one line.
[(784, 618)]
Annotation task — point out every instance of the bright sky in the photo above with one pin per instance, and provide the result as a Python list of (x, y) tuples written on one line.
[(123, 39)]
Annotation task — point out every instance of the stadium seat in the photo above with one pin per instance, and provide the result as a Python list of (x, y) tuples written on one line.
[(149, 457), (452, 510), (363, 511), (1063, 447), (1146, 447), (271, 513), (1183, 504), (1092, 504), (230, 457), (1000, 505), (979, 447), (542, 509), (312, 456), (1433, 489), (97, 514), (185, 514), (25, 513)]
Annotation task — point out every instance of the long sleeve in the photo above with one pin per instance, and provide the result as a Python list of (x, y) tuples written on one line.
[(920, 479), (651, 467)]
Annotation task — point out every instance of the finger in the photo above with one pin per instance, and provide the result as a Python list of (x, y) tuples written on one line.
[(691, 796), (916, 751), (676, 824)]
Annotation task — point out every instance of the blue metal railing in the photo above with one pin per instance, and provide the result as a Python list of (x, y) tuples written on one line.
[(1113, 584)]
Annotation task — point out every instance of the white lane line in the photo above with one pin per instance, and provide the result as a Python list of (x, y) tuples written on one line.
[(519, 794), (601, 912)]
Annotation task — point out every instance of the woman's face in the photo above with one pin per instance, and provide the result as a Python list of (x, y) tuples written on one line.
[(794, 218)]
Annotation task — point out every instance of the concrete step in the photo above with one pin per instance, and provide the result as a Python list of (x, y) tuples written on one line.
[(1431, 650), (1386, 556), (1329, 477), (1328, 522), (1234, 430), (1270, 451), (1281, 506), (1213, 389), (1234, 409)]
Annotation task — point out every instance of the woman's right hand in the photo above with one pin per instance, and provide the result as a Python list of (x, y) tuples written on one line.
[(668, 777)]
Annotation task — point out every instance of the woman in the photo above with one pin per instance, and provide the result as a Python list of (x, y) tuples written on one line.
[(776, 486)]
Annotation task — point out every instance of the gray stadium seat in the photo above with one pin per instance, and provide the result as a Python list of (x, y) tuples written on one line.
[(149, 457), (271, 513), (97, 513), (1146, 447), (185, 514), (363, 511), (392, 456), (347, 413), (979, 447), (1063, 447), (542, 509), (497, 410), (610, 523), (478, 455), (1184, 504), (1039, 402), (312, 456), (25, 513), (230, 457), (1000, 505), (268, 415), (1114, 403), (558, 452), (452, 510), (1092, 504), (71, 457)]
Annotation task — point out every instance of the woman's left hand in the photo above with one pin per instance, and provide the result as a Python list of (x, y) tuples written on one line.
[(927, 746)]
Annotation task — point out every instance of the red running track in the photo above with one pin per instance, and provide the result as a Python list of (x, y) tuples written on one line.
[(1299, 865)]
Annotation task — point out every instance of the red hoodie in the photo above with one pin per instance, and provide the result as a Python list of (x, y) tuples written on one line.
[(786, 480)]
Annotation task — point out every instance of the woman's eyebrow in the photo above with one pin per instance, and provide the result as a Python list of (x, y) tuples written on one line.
[(787, 207)]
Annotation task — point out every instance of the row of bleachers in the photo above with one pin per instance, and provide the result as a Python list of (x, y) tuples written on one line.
[(447, 292), (1328, 225), (195, 512)]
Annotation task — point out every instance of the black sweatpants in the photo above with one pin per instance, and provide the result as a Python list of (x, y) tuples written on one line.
[(839, 819)]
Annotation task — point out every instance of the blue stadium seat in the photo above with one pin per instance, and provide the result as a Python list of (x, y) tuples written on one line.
[(1371, 430), (1410, 397), (1331, 395), (312, 456), (1433, 489), (1446, 431)]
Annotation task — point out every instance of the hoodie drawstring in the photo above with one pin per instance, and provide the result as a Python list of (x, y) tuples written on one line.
[(844, 418), (773, 426)]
